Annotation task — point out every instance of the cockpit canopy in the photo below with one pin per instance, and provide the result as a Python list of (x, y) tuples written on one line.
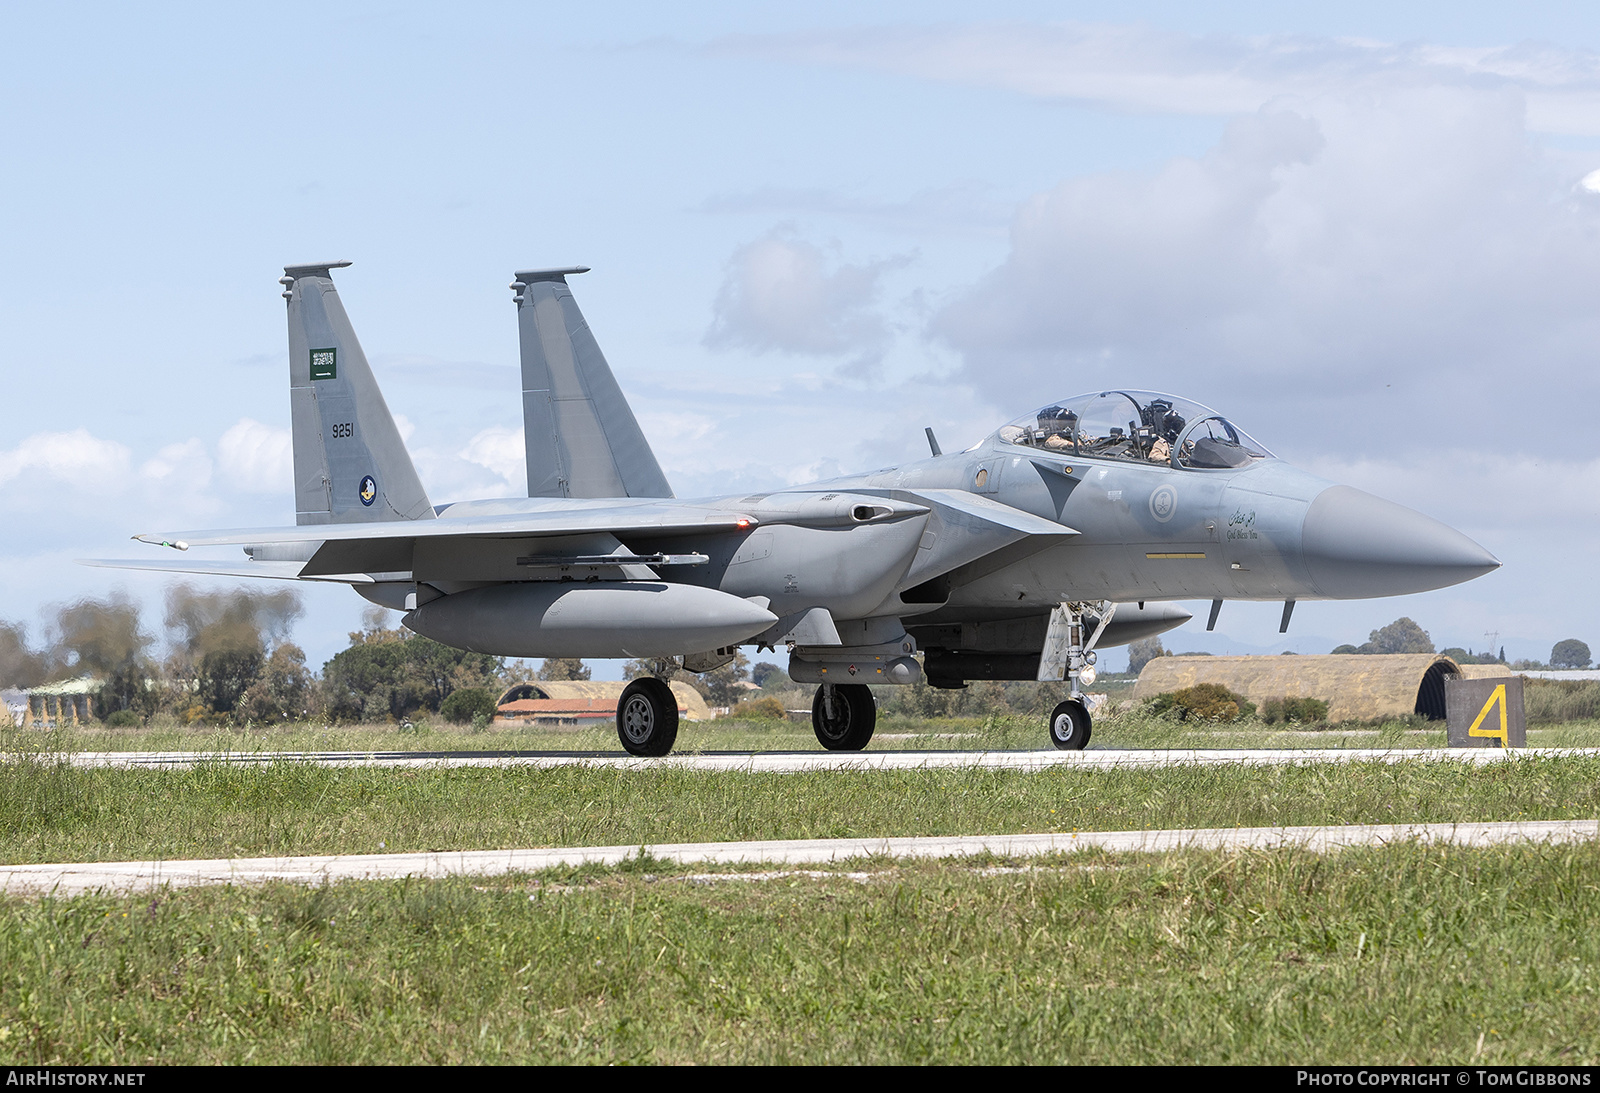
[(1137, 426)]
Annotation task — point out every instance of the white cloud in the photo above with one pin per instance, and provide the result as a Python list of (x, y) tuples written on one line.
[(1141, 67), (76, 457), (1382, 276), (257, 458), (186, 466), (964, 206), (679, 436), (502, 450), (780, 294), (1488, 493)]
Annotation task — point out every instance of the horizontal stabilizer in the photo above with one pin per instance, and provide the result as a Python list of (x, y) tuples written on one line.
[(564, 521), (283, 571), (277, 570), (274, 571)]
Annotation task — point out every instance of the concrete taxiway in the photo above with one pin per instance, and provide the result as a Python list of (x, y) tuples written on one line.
[(136, 876), (785, 762)]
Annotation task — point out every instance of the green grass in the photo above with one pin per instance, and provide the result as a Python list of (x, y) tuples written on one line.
[(1398, 955), (1131, 729), (722, 735), (1402, 955), (53, 812)]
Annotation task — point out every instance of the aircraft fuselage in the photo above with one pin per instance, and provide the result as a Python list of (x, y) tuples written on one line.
[(1078, 524), (1144, 534)]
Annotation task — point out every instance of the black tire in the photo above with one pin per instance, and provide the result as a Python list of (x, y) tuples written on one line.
[(1071, 726), (855, 715), (647, 717)]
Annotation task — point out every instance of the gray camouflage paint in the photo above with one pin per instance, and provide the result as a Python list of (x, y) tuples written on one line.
[(344, 435), (581, 436), (963, 553)]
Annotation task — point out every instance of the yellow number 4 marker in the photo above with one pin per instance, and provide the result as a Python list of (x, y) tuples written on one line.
[(1500, 734)]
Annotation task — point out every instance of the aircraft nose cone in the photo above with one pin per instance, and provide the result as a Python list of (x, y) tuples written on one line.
[(1357, 545)]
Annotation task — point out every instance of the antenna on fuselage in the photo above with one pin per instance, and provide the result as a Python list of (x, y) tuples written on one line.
[(932, 443)]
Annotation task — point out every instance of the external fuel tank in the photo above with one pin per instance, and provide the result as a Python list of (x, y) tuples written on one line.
[(590, 619)]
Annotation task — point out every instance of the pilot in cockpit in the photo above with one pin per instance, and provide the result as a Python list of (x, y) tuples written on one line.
[(1056, 424), (1136, 426), (1164, 424)]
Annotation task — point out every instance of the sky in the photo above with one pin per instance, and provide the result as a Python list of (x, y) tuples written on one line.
[(1361, 230)]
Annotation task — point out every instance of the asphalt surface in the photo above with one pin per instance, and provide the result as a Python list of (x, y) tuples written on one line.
[(782, 762), (139, 876)]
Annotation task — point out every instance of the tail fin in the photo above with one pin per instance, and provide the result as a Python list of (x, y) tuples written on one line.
[(582, 438), (350, 464)]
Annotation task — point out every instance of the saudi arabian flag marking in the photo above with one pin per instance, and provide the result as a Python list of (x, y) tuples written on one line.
[(324, 364)]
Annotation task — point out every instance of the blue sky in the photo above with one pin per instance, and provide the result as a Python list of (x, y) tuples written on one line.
[(1361, 229)]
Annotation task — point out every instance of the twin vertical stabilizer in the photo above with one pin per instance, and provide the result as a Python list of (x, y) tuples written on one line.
[(350, 464), (582, 438)]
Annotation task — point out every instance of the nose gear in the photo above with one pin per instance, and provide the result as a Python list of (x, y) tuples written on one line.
[(1067, 655)]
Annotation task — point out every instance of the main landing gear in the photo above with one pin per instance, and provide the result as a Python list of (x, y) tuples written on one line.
[(1067, 655), (647, 717), (844, 715)]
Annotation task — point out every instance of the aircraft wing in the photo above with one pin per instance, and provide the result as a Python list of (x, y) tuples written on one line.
[(963, 528), (651, 518)]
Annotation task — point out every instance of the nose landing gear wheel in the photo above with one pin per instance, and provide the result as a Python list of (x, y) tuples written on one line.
[(843, 716), (1070, 726), (647, 717)]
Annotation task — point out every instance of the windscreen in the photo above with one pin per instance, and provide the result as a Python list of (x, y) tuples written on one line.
[(1137, 426)]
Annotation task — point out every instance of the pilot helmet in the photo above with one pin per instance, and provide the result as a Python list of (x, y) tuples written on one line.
[(1162, 420), (1057, 419)]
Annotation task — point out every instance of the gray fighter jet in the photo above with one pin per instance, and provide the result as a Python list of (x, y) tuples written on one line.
[(1071, 528)]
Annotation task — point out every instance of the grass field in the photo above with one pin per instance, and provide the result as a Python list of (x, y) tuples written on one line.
[(1400, 955), (1403, 954), (53, 812), (1126, 730)]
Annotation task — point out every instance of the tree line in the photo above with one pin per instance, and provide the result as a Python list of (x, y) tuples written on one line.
[(226, 657), (1403, 635)]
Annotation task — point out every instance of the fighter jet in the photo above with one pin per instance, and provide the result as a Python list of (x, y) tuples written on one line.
[(1074, 527)]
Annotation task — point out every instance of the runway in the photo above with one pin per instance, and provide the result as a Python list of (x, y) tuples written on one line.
[(139, 876), (794, 762)]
